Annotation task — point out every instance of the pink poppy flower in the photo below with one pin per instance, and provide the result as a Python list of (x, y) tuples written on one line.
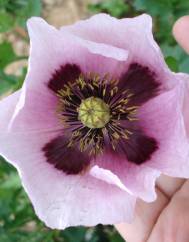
[(99, 118)]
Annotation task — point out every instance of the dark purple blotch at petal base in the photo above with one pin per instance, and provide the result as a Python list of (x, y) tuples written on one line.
[(138, 149), (68, 159), (141, 82), (65, 74)]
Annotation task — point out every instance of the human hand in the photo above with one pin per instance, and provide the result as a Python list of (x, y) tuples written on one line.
[(166, 219)]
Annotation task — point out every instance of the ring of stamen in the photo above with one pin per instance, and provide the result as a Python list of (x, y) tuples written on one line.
[(91, 109), (94, 113)]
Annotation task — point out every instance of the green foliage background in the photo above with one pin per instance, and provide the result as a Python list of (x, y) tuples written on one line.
[(18, 222)]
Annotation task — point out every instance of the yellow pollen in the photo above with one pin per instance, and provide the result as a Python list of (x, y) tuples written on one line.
[(94, 112)]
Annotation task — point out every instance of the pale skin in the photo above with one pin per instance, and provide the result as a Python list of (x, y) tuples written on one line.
[(166, 219)]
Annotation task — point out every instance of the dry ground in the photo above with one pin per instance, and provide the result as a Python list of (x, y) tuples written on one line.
[(55, 12)]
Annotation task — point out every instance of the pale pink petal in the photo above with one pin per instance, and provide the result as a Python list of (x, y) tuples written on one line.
[(59, 200), (104, 50), (52, 193), (35, 111), (50, 47), (106, 193), (162, 118), (139, 180), (108, 176), (7, 108), (184, 78), (49, 50), (132, 34)]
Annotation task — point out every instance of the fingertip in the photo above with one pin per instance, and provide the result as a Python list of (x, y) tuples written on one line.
[(146, 215), (181, 32), (180, 25)]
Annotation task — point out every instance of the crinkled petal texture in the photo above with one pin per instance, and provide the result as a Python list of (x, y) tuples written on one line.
[(185, 83), (170, 130), (106, 192), (131, 34), (29, 121)]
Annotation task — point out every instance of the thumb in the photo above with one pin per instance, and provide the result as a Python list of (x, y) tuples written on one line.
[(181, 32)]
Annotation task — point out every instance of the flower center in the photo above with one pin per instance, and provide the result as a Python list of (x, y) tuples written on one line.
[(94, 113)]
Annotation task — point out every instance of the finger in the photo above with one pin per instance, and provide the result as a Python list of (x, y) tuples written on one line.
[(169, 185), (181, 32), (173, 223), (146, 215)]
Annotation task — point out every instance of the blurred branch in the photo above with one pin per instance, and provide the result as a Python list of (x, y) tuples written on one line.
[(21, 32)]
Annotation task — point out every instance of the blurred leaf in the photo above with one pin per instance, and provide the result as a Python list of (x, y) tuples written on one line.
[(10, 83), (13, 182), (74, 234), (20, 79), (6, 21), (172, 63), (30, 8), (174, 51), (178, 54), (116, 238), (116, 8), (153, 7), (7, 54), (16, 12), (7, 83), (184, 65)]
